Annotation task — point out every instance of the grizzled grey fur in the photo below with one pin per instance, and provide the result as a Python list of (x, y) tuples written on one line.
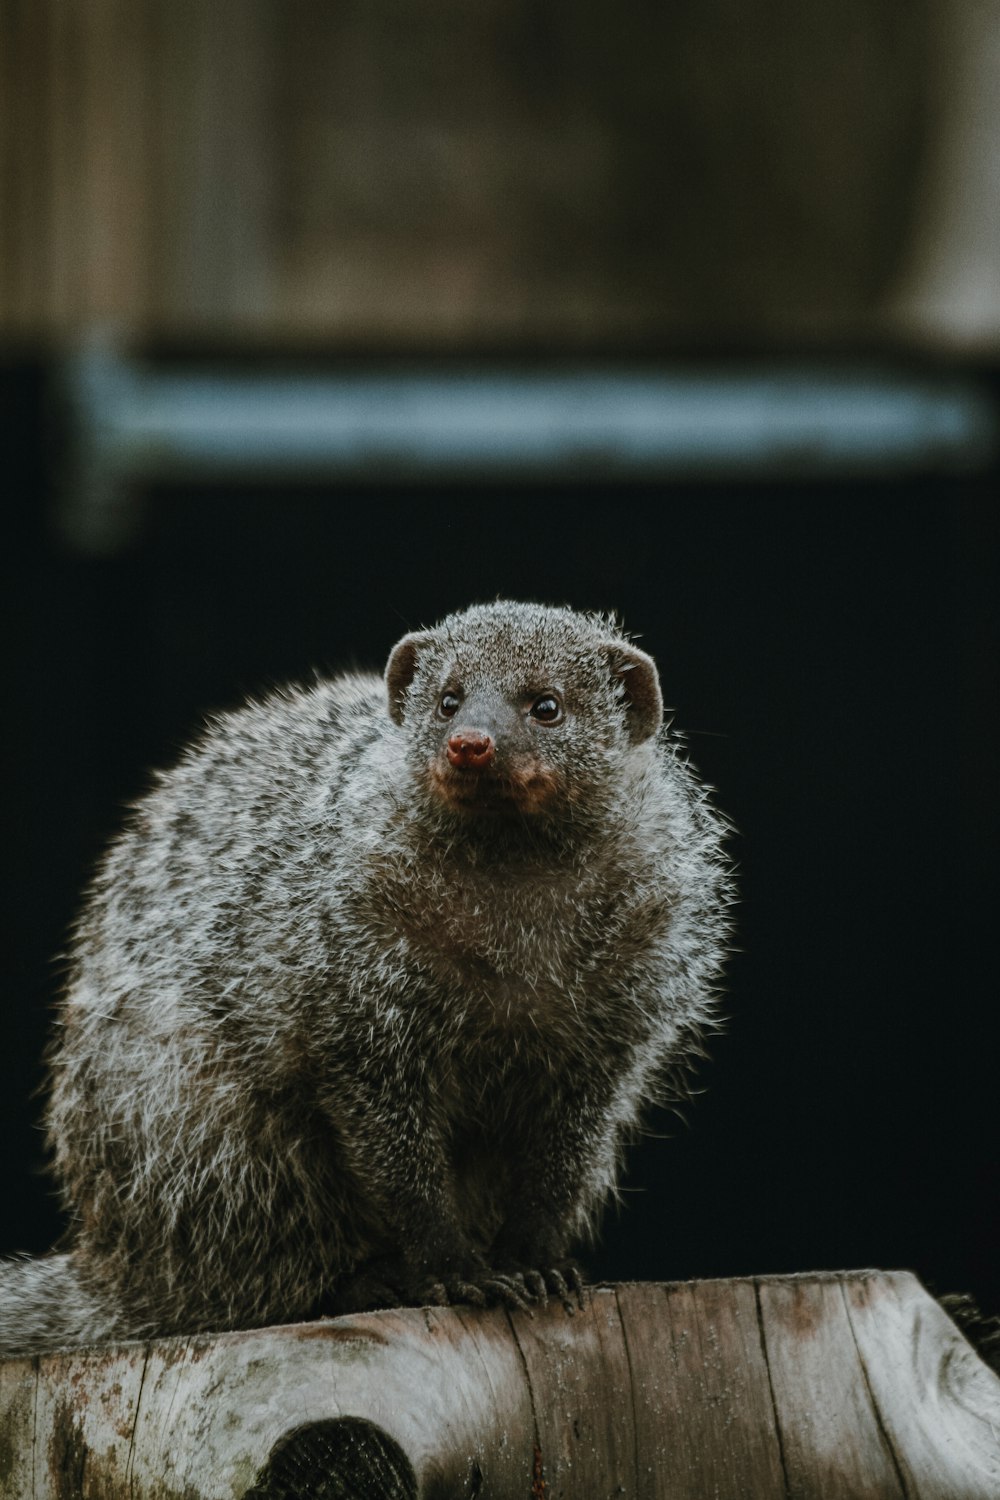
[(367, 995)]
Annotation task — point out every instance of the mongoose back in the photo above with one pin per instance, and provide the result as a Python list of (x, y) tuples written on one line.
[(366, 996)]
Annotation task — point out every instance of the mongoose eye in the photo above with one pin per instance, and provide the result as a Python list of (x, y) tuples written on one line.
[(547, 709), (449, 705)]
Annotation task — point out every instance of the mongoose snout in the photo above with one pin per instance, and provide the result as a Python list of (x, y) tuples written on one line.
[(471, 747), (495, 770)]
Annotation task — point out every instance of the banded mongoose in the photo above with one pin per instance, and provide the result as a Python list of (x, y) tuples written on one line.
[(365, 998)]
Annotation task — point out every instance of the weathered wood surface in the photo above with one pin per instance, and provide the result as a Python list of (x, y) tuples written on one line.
[(828, 1386)]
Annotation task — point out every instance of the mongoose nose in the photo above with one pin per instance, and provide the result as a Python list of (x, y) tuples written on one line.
[(471, 747)]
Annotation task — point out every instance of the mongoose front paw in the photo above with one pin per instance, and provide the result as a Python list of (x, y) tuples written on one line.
[(482, 1288), (563, 1279), (389, 1281)]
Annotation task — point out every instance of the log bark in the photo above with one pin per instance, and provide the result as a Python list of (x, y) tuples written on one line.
[(854, 1384)]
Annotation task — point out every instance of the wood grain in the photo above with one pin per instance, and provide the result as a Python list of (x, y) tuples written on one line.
[(816, 1387), (585, 1428), (939, 1404), (703, 1410), (831, 1433)]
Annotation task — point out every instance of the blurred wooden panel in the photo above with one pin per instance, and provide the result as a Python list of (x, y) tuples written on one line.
[(571, 174), (74, 180), (499, 176), (214, 133), (949, 288), (134, 165)]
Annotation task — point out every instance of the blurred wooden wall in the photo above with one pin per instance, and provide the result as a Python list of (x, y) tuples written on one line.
[(500, 176)]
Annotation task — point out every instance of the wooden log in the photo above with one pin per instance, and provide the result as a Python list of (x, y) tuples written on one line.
[(853, 1384)]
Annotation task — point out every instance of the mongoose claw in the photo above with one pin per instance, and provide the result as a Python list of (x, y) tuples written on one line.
[(451, 1289), (511, 1292), (535, 1282), (574, 1276), (566, 1283)]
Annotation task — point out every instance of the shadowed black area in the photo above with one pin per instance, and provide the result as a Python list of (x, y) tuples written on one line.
[(348, 1459)]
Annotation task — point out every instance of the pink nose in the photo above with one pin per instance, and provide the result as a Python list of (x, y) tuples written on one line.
[(471, 747)]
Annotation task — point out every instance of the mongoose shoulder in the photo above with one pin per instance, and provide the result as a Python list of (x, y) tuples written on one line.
[(369, 991)]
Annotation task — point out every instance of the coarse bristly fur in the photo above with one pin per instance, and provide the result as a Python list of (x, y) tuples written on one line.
[(369, 992)]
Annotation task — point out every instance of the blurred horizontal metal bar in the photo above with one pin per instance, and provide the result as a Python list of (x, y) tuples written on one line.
[(142, 423)]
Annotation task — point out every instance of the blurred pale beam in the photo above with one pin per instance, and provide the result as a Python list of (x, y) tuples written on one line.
[(134, 424)]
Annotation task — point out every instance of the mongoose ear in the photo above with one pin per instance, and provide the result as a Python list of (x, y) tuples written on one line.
[(640, 689), (400, 668)]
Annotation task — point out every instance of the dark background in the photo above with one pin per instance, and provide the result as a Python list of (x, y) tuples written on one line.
[(830, 651)]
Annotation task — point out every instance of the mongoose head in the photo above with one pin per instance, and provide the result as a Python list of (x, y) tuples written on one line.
[(522, 709)]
